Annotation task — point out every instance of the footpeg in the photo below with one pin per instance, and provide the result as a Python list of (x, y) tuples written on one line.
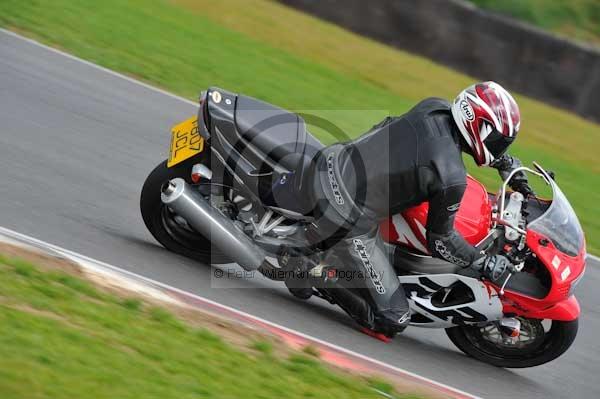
[(510, 327)]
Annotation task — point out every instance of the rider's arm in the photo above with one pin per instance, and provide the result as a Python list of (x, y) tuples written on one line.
[(443, 240), (505, 165)]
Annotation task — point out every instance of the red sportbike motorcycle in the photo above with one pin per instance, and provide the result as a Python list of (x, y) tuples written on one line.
[(207, 202)]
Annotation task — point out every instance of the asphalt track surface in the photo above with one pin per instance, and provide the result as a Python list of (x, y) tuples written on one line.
[(76, 144)]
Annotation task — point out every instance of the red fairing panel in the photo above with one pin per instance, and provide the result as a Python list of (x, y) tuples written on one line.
[(472, 221), (559, 304)]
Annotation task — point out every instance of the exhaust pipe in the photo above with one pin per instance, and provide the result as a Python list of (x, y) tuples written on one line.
[(213, 225)]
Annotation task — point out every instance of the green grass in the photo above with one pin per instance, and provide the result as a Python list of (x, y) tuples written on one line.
[(60, 337), (263, 49), (579, 19)]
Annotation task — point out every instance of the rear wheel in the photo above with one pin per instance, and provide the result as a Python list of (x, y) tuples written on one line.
[(539, 342), (169, 229)]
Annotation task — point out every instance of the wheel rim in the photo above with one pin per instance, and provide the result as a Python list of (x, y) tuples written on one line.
[(179, 230), (490, 340)]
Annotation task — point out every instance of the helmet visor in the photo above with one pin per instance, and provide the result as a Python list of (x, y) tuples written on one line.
[(497, 143)]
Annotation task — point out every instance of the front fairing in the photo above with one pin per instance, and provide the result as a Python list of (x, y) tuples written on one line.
[(560, 225), (563, 271), (556, 240)]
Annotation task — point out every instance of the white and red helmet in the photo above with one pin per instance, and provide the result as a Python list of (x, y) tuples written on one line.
[(488, 118)]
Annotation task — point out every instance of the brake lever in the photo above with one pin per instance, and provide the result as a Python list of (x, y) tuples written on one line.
[(505, 282)]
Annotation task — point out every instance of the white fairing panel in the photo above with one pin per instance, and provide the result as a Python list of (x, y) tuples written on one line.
[(433, 311)]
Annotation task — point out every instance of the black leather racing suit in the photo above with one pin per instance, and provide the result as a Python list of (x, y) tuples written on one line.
[(401, 162)]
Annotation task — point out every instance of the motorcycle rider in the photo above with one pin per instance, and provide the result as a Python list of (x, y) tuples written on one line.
[(402, 162)]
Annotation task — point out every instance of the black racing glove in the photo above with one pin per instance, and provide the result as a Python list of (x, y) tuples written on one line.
[(505, 165), (494, 267)]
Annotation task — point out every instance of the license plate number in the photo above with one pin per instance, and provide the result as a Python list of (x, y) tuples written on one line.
[(185, 141)]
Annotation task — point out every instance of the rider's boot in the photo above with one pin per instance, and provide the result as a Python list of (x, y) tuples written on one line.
[(300, 292), (353, 304), (395, 319), (383, 325), (297, 278), (377, 280)]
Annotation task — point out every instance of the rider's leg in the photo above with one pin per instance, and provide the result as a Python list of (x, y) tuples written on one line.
[(351, 235), (367, 269)]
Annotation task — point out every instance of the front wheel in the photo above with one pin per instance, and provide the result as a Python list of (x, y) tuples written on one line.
[(540, 341), (169, 229)]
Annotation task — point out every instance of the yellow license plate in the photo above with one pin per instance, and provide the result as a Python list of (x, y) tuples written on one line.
[(185, 141)]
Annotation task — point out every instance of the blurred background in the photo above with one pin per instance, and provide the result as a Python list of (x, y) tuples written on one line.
[(353, 55), (78, 142)]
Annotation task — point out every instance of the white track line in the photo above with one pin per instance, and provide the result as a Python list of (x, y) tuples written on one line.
[(12, 236), (593, 257)]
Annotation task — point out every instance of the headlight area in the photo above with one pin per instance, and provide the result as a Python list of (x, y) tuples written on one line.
[(576, 281)]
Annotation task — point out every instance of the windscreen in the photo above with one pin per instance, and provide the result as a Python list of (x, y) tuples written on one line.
[(560, 224)]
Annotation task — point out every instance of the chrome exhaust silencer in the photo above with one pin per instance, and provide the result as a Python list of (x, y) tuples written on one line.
[(213, 225)]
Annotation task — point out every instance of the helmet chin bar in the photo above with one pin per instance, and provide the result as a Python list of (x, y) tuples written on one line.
[(489, 158), (468, 146)]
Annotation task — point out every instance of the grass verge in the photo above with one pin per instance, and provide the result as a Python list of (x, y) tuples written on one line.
[(263, 49), (64, 337), (579, 19)]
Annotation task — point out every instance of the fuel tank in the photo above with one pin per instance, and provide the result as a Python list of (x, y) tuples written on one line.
[(473, 220)]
